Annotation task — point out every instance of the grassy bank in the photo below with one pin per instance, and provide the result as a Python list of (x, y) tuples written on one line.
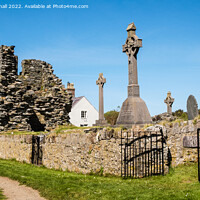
[(181, 183)]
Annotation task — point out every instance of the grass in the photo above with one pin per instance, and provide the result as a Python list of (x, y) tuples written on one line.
[(180, 183), (16, 132), (62, 129), (59, 129), (1, 195)]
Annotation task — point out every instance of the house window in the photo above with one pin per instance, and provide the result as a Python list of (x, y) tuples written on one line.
[(83, 125), (83, 114)]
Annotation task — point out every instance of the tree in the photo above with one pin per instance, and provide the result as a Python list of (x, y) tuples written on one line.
[(111, 116)]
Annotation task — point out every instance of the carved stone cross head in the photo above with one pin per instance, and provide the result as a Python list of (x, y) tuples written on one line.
[(169, 100), (133, 43), (101, 80)]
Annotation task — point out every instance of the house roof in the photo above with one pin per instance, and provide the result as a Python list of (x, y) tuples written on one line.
[(76, 100)]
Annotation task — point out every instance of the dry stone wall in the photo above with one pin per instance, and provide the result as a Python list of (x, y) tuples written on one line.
[(82, 153), (34, 100), (78, 152), (94, 151), (175, 137), (17, 147), (174, 134)]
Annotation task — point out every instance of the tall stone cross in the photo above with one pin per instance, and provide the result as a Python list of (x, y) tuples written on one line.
[(169, 101), (131, 48), (100, 82), (134, 109)]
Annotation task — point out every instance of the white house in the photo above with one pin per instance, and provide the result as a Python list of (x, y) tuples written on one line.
[(83, 113)]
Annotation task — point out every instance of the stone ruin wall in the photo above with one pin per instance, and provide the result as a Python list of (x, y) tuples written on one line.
[(90, 152), (35, 100)]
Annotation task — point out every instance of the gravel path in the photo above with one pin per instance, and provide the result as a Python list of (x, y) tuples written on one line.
[(13, 191)]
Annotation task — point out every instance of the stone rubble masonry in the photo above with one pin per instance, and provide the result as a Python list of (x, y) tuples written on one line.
[(17, 147), (174, 134), (82, 153), (91, 152), (78, 152), (35, 100)]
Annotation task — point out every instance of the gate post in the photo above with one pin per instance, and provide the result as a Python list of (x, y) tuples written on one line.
[(33, 149), (121, 155), (163, 162), (198, 130)]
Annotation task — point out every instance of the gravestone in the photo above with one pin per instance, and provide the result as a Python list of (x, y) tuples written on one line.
[(192, 107), (134, 109), (100, 82), (169, 101), (190, 141)]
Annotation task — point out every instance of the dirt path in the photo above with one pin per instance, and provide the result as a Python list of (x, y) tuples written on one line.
[(13, 191)]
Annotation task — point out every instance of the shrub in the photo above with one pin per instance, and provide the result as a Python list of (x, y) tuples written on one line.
[(111, 116), (180, 114)]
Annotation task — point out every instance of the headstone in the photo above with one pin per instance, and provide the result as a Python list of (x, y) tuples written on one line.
[(100, 82), (134, 109), (192, 107), (190, 142), (169, 101)]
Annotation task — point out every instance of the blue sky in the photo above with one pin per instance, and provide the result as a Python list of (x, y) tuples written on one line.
[(81, 43)]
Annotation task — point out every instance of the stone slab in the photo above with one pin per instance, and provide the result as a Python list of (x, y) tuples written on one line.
[(192, 107), (190, 142)]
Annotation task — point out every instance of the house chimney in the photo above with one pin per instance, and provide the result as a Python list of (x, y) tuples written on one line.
[(71, 89)]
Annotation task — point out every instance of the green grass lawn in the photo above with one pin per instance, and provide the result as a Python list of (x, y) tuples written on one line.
[(180, 183)]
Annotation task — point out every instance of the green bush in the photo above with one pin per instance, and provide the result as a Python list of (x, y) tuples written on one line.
[(111, 116), (180, 114)]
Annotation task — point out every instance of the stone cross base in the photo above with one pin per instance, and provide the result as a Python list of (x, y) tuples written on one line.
[(134, 111), (101, 122), (133, 90)]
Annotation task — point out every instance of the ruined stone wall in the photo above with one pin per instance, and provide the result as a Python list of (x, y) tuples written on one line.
[(8, 67), (35, 100), (52, 103)]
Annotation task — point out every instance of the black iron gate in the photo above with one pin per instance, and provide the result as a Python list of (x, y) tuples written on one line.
[(37, 150), (142, 154), (198, 130)]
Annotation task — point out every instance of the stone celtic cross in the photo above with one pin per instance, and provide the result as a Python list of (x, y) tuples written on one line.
[(169, 101), (100, 82), (131, 48), (134, 109)]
